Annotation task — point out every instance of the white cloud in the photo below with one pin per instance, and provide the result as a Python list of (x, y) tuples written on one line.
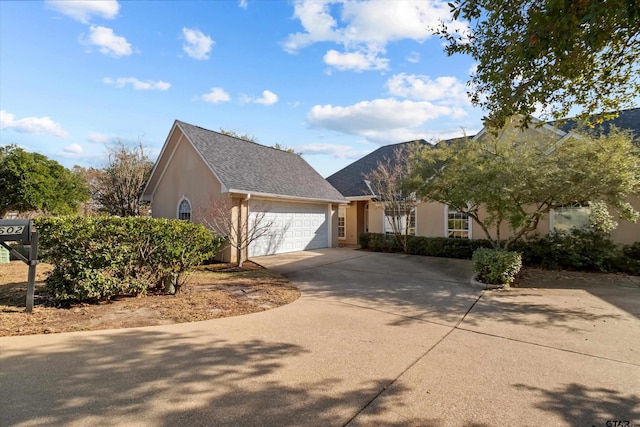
[(243, 4), (216, 95), (367, 27), (357, 61), (448, 90), (32, 125), (83, 10), (137, 84), (413, 57), (98, 138), (108, 42), (382, 121), (73, 149), (334, 150), (268, 98), (197, 44), (378, 114)]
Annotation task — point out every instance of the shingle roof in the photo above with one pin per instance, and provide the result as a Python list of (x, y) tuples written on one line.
[(627, 119), (246, 166), (350, 180)]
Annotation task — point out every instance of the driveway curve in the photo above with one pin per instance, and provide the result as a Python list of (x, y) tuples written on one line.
[(375, 339)]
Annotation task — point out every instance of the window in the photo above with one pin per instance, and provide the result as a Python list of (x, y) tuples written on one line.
[(458, 226), (568, 217), (184, 210), (403, 218), (342, 220)]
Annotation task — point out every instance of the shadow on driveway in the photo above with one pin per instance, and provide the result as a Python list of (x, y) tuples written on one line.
[(150, 377)]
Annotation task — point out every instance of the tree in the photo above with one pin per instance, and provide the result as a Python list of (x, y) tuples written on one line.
[(118, 187), (395, 193), (225, 220), (283, 147), (514, 179), (234, 134), (554, 54), (32, 182)]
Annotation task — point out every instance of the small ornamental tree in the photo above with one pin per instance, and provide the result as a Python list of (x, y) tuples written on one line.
[(394, 191), (118, 187), (226, 221), (516, 180)]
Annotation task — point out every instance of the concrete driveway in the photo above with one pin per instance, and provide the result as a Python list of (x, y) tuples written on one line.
[(375, 340)]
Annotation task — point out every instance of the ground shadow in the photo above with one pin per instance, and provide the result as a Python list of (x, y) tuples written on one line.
[(580, 405), (619, 290), (159, 378)]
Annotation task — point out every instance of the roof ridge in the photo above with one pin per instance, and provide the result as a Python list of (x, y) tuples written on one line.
[(237, 137)]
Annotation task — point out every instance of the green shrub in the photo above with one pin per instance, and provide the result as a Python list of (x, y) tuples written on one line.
[(363, 240), (629, 260), (576, 249), (97, 258), (427, 246), (378, 242), (496, 267)]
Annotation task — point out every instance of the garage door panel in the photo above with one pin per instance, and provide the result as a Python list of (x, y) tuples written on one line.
[(296, 227)]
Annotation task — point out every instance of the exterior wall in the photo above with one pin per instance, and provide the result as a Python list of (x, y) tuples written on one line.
[(352, 223), (186, 175), (627, 232), (431, 222), (376, 214), (430, 219), (333, 226)]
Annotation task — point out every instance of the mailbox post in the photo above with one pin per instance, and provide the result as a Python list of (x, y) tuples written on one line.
[(20, 230)]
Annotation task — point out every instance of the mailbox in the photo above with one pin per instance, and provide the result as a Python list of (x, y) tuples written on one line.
[(15, 230)]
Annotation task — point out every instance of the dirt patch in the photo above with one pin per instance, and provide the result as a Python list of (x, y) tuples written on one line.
[(215, 291)]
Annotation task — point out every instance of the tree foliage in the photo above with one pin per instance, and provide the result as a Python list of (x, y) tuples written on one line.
[(32, 182), (394, 192), (514, 179), (554, 54), (118, 187)]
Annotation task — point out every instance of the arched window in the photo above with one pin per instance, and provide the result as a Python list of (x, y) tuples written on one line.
[(184, 210)]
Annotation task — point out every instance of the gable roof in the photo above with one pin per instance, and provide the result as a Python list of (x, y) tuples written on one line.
[(350, 180), (249, 168), (627, 119)]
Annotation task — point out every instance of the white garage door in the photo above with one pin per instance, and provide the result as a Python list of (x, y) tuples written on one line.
[(296, 227)]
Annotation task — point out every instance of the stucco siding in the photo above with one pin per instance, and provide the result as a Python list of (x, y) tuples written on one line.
[(351, 231), (430, 219), (185, 175), (376, 213), (627, 232)]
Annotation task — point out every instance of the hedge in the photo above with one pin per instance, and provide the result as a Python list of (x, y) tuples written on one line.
[(98, 258), (426, 246), (577, 249)]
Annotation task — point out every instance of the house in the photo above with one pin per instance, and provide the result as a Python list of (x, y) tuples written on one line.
[(197, 165), (432, 219)]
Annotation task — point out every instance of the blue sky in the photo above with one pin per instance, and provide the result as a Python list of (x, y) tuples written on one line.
[(332, 79)]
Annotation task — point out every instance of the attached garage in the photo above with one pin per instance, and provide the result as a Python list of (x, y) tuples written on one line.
[(295, 227), (199, 167)]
